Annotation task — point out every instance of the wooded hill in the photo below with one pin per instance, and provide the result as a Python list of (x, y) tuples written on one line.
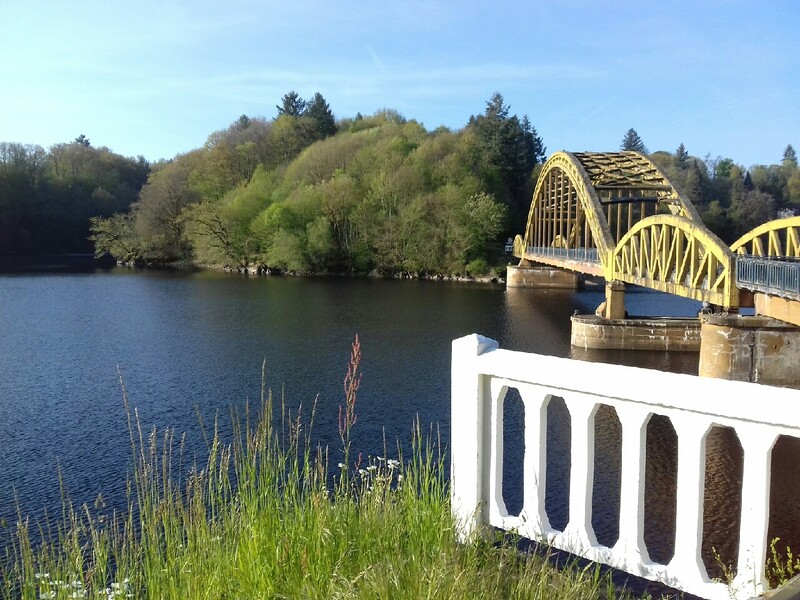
[(306, 193)]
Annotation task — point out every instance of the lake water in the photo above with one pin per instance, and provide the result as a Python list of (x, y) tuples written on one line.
[(190, 345)]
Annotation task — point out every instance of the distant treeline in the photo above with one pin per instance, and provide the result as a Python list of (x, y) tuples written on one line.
[(48, 196), (304, 192)]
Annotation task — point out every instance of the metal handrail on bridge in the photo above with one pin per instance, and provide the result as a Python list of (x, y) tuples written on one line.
[(581, 254), (774, 276)]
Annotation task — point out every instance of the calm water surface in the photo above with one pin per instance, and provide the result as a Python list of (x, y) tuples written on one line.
[(191, 346)]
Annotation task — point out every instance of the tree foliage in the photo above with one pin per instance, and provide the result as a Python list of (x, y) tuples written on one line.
[(733, 200), (292, 105), (790, 156), (506, 150), (303, 193), (632, 142), (47, 197)]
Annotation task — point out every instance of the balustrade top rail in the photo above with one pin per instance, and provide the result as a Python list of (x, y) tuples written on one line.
[(482, 374), (776, 276)]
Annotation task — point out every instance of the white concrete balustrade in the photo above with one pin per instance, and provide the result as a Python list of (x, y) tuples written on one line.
[(481, 375)]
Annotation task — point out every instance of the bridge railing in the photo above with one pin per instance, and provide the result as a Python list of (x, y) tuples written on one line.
[(481, 375), (776, 276), (579, 254)]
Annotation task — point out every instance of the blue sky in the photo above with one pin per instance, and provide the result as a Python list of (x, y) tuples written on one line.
[(157, 77)]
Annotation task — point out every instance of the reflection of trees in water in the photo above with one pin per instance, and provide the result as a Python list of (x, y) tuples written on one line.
[(537, 321), (722, 505), (660, 489), (784, 506), (513, 451), (559, 447), (607, 475)]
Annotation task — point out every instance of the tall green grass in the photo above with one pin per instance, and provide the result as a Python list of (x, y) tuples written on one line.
[(272, 515)]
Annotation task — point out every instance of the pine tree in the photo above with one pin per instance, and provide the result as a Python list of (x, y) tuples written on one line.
[(509, 148), (681, 156), (790, 155), (632, 142), (319, 112), (292, 105)]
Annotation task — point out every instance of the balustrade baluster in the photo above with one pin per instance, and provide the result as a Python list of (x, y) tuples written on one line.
[(533, 514), (633, 421), (692, 430), (497, 505), (757, 442), (579, 530), (470, 398)]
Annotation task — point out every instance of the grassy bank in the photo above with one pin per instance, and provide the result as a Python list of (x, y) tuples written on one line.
[(272, 515)]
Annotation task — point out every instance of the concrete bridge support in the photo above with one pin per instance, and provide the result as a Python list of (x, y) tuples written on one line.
[(615, 300), (529, 276), (755, 349)]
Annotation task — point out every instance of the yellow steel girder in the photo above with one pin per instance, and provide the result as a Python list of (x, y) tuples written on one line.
[(633, 170), (676, 255), (778, 238), (577, 194), (570, 172)]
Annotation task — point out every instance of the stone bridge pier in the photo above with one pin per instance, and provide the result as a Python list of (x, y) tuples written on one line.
[(756, 349)]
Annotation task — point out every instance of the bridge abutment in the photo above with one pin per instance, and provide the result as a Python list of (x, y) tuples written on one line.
[(528, 276), (755, 349)]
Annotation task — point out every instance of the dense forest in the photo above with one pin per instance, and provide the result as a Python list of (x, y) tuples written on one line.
[(304, 192), (48, 197)]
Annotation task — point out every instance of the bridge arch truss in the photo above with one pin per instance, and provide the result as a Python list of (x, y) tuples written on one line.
[(617, 215), (777, 239)]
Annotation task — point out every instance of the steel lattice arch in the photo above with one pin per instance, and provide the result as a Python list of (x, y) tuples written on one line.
[(617, 215)]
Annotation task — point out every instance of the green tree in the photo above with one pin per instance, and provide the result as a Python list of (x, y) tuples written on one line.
[(789, 155), (319, 243), (631, 142), (793, 189), (115, 236), (507, 150), (292, 105), (716, 218), (212, 238), (681, 157), (319, 112), (723, 168), (242, 123), (770, 179), (159, 224)]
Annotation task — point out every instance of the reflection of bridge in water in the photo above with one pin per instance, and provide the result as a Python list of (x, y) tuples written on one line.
[(618, 216)]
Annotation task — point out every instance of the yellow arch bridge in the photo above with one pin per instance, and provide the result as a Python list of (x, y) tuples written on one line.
[(617, 215)]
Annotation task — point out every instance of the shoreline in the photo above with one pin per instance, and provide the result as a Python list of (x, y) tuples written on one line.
[(44, 263)]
